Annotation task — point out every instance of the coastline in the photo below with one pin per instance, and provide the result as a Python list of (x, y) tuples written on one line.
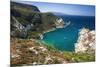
[(49, 45), (59, 24), (50, 30), (41, 34)]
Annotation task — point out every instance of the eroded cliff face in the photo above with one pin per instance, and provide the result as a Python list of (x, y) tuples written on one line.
[(23, 19), (28, 21), (86, 41)]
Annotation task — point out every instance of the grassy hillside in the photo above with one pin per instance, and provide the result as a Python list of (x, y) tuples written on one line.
[(31, 52), (30, 15)]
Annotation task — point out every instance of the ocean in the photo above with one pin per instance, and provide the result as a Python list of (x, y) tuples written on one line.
[(64, 39)]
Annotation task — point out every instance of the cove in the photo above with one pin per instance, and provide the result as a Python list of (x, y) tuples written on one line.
[(64, 39)]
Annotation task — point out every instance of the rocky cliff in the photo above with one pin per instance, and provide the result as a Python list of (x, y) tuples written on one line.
[(28, 21), (86, 41)]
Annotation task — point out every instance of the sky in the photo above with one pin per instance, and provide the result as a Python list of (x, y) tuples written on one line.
[(71, 9)]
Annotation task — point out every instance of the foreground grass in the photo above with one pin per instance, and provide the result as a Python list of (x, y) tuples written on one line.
[(42, 54)]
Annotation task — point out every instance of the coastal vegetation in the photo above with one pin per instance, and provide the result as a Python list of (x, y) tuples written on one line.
[(31, 20), (31, 52), (28, 25)]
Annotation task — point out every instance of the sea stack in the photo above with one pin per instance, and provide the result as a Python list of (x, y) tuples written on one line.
[(85, 42)]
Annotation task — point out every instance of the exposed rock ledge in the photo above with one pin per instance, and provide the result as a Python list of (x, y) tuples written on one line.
[(86, 41), (59, 23)]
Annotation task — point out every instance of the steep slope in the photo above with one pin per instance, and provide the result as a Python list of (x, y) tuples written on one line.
[(15, 5), (32, 52), (31, 19)]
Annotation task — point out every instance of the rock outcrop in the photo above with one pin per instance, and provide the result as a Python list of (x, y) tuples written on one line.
[(21, 16), (17, 29), (59, 23), (86, 41)]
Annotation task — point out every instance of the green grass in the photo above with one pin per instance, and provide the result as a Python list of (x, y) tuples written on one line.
[(81, 57), (71, 56)]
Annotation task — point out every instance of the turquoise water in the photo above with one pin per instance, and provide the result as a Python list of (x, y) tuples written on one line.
[(64, 39)]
